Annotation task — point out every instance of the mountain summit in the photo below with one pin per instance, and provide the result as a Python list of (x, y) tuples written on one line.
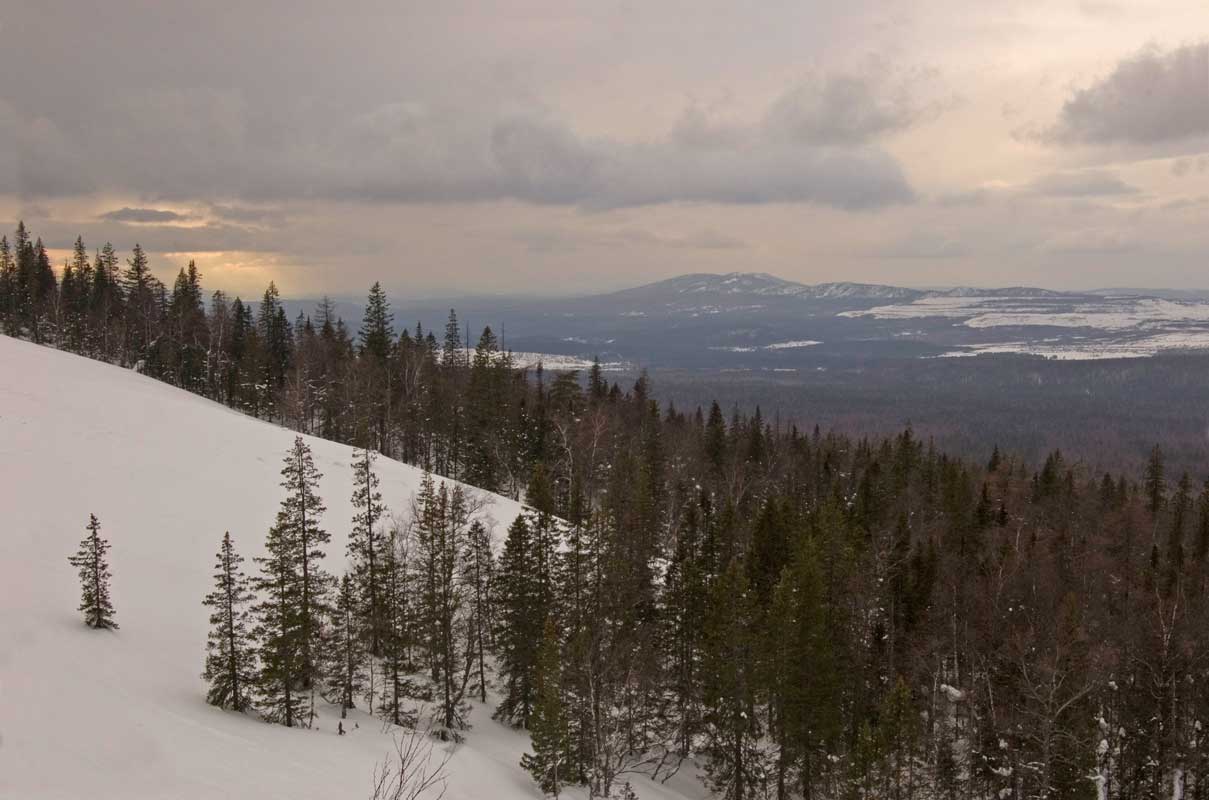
[(734, 285)]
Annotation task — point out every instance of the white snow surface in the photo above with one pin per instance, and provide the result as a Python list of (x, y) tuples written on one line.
[(1118, 327), (563, 363), (1093, 350), (1109, 313), (122, 714), (797, 343)]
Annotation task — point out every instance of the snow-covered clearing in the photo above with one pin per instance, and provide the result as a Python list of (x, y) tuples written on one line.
[(122, 714), (563, 363), (1108, 313), (1092, 350), (794, 345)]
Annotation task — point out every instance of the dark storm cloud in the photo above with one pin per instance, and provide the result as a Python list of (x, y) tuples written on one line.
[(215, 145), (372, 135), (1149, 98), (217, 117), (541, 161), (128, 214)]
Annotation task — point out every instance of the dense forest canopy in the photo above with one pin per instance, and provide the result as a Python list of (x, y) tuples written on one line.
[(807, 614)]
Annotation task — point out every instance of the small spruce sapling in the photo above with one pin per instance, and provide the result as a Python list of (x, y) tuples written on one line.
[(94, 578)]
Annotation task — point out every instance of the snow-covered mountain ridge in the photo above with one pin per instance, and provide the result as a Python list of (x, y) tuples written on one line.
[(762, 284)]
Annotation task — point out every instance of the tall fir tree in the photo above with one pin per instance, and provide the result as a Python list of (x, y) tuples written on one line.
[(230, 655), (276, 340), (377, 327), (1156, 482), (365, 545), (344, 649), (280, 682), (440, 522), (294, 589), (732, 729), (139, 289), (519, 631), (94, 574), (298, 520), (8, 289), (480, 576), (526, 597), (548, 763), (453, 352), (398, 637)]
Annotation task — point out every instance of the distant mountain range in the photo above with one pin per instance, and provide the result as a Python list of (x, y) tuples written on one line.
[(762, 284), (741, 321)]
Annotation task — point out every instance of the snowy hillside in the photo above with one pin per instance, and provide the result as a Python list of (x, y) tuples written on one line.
[(122, 714)]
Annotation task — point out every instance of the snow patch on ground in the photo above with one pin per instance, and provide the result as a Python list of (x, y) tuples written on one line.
[(792, 345), (564, 363), (1109, 313), (775, 346), (1094, 350), (1123, 326)]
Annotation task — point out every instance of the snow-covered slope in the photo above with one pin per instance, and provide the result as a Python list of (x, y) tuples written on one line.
[(122, 714)]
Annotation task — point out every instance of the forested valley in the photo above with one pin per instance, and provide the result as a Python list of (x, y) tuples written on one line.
[(803, 614)]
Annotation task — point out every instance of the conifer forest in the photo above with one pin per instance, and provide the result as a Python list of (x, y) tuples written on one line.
[(789, 612)]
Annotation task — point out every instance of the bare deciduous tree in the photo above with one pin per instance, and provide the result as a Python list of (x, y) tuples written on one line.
[(412, 770)]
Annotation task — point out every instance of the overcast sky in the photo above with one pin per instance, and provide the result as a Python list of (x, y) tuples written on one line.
[(570, 145)]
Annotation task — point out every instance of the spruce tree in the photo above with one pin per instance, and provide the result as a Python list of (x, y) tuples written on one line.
[(298, 520), (293, 588), (715, 436), (519, 630), (548, 723), (106, 305), (440, 519), (276, 341), (526, 596), (732, 731), (480, 574), (397, 631), (138, 286), (485, 398), (23, 268), (43, 291), (1156, 484), (377, 327), (73, 298), (808, 673), (344, 652), (684, 607), (453, 352), (1202, 524), (365, 545), (8, 288), (94, 578), (230, 656), (278, 631), (597, 385)]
